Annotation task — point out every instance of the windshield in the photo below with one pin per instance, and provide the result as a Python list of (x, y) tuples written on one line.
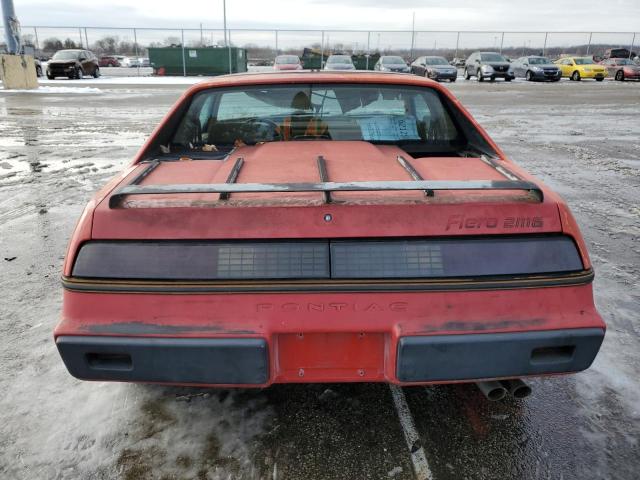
[(343, 59), (492, 57), (539, 61), (66, 55), (287, 59), (436, 61), (584, 61), (374, 113), (393, 61)]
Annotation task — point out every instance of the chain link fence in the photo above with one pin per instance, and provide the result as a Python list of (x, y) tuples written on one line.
[(263, 45)]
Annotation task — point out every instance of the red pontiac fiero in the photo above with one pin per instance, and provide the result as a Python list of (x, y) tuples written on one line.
[(325, 227)]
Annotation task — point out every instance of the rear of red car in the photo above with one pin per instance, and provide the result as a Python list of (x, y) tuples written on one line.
[(108, 61), (326, 261), (287, 63)]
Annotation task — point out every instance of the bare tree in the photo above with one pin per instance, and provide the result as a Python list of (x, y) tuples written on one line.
[(108, 44), (52, 45), (68, 43), (169, 41)]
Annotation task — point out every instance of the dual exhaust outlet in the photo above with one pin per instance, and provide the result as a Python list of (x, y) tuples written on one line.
[(497, 390)]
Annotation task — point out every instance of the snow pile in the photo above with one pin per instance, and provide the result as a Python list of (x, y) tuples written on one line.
[(56, 90), (104, 80)]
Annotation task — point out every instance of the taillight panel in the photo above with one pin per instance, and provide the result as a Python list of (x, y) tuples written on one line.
[(328, 259)]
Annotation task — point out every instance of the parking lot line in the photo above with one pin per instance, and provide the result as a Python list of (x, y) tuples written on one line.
[(418, 458)]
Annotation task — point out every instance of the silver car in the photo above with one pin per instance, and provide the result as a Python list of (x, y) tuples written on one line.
[(391, 63), (339, 62), (536, 68)]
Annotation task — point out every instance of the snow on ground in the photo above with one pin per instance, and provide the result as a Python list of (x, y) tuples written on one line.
[(105, 80), (56, 90)]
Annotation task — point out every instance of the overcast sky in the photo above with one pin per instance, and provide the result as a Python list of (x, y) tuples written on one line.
[(536, 15)]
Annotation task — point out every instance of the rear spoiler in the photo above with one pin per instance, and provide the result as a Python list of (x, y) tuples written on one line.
[(226, 189)]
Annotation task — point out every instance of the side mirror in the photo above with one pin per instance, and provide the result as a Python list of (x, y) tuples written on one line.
[(82, 59)]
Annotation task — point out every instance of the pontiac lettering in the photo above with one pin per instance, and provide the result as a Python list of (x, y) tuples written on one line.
[(332, 307)]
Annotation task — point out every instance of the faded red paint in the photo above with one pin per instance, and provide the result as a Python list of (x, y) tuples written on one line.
[(300, 327), (271, 315)]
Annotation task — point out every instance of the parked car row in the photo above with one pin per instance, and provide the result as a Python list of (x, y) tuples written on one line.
[(491, 66), (77, 63)]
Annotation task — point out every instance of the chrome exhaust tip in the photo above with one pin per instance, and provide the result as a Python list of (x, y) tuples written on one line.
[(493, 390), (517, 388)]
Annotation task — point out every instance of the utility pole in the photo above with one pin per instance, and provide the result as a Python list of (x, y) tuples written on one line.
[(413, 35), (227, 41), (322, 50), (457, 43), (11, 27), (368, 48), (224, 21)]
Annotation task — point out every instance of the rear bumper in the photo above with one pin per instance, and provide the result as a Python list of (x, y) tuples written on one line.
[(245, 361), (464, 357), (209, 361), (257, 339)]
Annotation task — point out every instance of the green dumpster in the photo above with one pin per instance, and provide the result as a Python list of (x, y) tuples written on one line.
[(197, 60), (313, 58), (361, 63)]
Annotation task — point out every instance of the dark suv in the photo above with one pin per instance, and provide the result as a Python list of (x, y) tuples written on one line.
[(489, 65), (73, 64), (618, 53)]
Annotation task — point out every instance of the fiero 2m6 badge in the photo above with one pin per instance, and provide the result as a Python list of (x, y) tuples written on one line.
[(326, 227), (460, 222)]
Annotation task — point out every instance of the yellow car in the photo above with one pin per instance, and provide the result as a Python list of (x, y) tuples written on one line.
[(577, 68)]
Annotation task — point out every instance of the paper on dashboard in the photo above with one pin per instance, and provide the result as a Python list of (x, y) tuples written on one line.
[(389, 128)]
